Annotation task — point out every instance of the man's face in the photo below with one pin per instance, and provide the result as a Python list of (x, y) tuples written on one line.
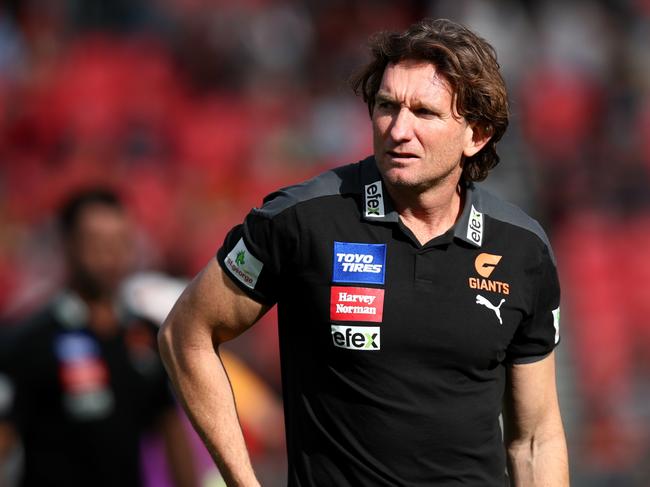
[(418, 138), (100, 250)]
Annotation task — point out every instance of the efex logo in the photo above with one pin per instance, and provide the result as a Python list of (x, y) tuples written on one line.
[(356, 337), (374, 200), (485, 265)]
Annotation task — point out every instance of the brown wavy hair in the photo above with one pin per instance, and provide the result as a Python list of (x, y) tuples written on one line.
[(468, 63)]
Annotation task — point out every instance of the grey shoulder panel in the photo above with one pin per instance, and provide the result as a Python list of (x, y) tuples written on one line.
[(506, 212), (342, 180)]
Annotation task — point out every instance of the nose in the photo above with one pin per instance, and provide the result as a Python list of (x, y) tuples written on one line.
[(401, 128)]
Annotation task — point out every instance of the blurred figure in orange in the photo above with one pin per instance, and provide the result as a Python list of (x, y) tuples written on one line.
[(83, 379)]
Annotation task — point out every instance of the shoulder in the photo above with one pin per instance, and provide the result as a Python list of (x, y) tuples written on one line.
[(498, 209), (336, 182), (19, 341)]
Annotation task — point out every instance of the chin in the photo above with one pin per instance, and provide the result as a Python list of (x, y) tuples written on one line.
[(402, 177)]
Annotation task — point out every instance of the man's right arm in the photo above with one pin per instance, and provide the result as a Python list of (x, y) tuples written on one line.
[(210, 311)]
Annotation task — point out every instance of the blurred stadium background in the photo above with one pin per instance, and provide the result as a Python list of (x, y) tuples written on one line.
[(195, 109)]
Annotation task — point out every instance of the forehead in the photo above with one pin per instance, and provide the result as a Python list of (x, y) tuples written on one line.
[(409, 79), (100, 218)]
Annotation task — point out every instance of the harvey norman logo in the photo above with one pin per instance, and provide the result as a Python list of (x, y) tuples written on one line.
[(359, 263), (356, 337), (374, 200), (356, 304), (243, 265)]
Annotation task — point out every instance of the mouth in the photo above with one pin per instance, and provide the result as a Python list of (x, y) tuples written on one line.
[(402, 156)]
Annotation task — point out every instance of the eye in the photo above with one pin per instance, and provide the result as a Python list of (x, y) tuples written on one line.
[(385, 105), (424, 112)]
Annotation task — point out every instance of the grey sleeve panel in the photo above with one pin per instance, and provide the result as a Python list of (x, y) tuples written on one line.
[(337, 181), (508, 213), (531, 359)]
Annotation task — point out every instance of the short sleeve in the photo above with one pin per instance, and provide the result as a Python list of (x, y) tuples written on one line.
[(10, 372), (6, 396), (258, 254), (539, 333)]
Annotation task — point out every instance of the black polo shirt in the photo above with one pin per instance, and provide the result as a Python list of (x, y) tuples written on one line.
[(82, 402), (394, 353)]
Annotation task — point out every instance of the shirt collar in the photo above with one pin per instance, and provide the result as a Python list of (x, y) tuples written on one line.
[(378, 206), (73, 313), (70, 310), (470, 227)]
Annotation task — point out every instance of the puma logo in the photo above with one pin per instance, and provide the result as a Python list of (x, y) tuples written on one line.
[(497, 309)]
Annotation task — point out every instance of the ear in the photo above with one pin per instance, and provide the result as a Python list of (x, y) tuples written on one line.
[(475, 139)]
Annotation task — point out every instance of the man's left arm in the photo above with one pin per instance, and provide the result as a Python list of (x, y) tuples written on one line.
[(178, 450), (534, 436)]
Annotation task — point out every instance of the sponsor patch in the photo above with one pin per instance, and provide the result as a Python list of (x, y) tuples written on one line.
[(359, 263), (485, 263), (83, 376), (556, 323), (374, 200), (475, 226), (356, 304), (356, 337), (75, 347), (90, 405), (488, 285), (483, 301), (243, 265)]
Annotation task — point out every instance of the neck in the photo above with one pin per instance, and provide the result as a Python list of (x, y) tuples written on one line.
[(429, 213), (102, 316)]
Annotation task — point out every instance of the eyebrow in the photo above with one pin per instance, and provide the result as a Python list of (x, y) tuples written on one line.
[(418, 104), (382, 95)]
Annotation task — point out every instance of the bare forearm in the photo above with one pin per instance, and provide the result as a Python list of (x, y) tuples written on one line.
[(178, 450), (539, 463), (204, 389), (534, 435), (8, 439)]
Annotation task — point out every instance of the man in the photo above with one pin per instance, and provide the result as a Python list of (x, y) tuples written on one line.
[(86, 377), (411, 302)]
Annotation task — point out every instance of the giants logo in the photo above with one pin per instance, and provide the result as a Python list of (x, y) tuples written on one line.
[(485, 265)]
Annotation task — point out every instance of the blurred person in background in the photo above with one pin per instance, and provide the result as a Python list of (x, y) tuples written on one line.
[(82, 379), (411, 302), (576, 156)]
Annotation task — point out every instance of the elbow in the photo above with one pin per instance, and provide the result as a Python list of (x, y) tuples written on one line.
[(166, 339), (182, 337), (519, 448), (521, 451)]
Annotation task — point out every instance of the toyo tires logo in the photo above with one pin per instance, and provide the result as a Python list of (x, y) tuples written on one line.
[(359, 263)]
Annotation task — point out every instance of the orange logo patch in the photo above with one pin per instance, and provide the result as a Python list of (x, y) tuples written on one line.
[(485, 264)]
